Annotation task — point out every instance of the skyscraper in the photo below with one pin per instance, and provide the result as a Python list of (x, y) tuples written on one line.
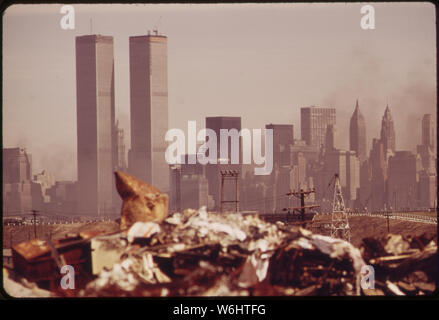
[(213, 170), (149, 109), (357, 134), (427, 148), (403, 178), (378, 166), (283, 138), (95, 123), (17, 175), (428, 131), (120, 155), (387, 132), (331, 138), (314, 122)]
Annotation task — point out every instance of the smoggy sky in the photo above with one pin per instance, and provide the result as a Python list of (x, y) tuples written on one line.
[(261, 62)]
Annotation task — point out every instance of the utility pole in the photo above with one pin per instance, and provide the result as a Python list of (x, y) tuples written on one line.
[(34, 214), (340, 224), (388, 221), (300, 195)]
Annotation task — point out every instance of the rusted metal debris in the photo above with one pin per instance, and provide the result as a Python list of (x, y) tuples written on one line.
[(403, 266), (205, 254), (198, 253), (141, 201)]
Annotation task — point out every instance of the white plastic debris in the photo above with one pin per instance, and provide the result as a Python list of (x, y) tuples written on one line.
[(254, 271), (205, 225), (175, 219), (142, 230)]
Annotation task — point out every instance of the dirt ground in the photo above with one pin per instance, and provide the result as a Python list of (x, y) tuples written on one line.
[(16, 234), (363, 227)]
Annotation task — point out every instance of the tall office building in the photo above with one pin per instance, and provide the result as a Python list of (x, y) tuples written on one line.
[(283, 138), (120, 154), (388, 132), (213, 170), (427, 190), (149, 109), (17, 175), (314, 122), (403, 178), (427, 148), (428, 131), (357, 134), (331, 138), (378, 166), (352, 177), (95, 123)]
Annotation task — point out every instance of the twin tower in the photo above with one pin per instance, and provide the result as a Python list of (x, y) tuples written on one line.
[(96, 128)]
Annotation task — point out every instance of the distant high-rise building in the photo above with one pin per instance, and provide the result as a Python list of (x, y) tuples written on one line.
[(283, 138), (357, 134), (352, 177), (427, 148), (403, 178), (194, 192), (17, 165), (121, 163), (95, 123), (428, 131), (388, 132), (213, 170), (63, 197), (46, 180), (365, 192), (314, 122), (378, 167), (149, 109), (17, 175), (331, 138), (427, 190)]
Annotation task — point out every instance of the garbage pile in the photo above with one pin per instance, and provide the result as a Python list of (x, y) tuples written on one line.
[(402, 266), (200, 253), (197, 253)]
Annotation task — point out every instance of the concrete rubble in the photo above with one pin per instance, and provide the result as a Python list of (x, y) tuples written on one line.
[(199, 253)]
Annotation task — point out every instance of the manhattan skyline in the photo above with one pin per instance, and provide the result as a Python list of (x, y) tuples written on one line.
[(259, 62)]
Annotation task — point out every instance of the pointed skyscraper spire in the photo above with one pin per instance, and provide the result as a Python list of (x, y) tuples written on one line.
[(388, 131), (357, 133)]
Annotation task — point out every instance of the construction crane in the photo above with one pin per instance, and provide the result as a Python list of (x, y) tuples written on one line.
[(339, 219)]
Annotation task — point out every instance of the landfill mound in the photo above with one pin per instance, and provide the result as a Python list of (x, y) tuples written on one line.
[(196, 253), (205, 254)]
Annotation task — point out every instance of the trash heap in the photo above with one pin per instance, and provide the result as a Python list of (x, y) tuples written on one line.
[(403, 266), (197, 253)]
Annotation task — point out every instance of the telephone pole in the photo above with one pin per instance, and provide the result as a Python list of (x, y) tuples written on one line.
[(34, 214), (300, 195)]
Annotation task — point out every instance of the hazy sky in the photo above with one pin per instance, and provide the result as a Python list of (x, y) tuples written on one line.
[(261, 62)]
